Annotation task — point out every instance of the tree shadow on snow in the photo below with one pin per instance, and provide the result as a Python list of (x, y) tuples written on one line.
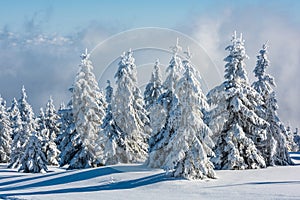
[(122, 185), (295, 156), (69, 178), (256, 183), (9, 170), (34, 177), (274, 182), (9, 177)]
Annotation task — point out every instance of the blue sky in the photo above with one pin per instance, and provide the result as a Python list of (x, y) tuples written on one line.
[(41, 40), (66, 16)]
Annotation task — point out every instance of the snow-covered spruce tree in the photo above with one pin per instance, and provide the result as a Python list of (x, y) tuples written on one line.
[(52, 125), (290, 144), (297, 139), (265, 82), (16, 146), (274, 148), (110, 144), (201, 97), (13, 112), (69, 139), (42, 130), (48, 146), (60, 125), (27, 127), (163, 114), (26, 112), (5, 133), (236, 126), (88, 110), (154, 88), (129, 114), (33, 159), (190, 146)]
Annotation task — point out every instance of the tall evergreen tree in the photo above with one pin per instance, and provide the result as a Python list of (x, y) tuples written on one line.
[(164, 112), (42, 130), (60, 123), (274, 149), (297, 139), (265, 82), (26, 112), (234, 121), (13, 112), (52, 125), (190, 146), (69, 139), (27, 127), (154, 88), (290, 143), (5, 133), (47, 142), (33, 159), (129, 113), (88, 111), (16, 146), (111, 144), (52, 119)]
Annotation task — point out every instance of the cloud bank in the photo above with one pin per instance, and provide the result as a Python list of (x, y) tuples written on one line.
[(44, 63)]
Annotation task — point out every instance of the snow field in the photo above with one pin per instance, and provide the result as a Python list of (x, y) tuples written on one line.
[(135, 181)]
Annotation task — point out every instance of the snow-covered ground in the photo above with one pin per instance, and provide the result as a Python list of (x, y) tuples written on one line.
[(138, 182)]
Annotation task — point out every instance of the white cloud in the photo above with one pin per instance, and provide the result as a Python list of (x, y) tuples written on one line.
[(258, 25), (40, 63)]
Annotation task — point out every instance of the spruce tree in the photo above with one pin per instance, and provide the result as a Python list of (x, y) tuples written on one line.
[(26, 128), (190, 146), (233, 119), (290, 143), (52, 125), (13, 112), (111, 144), (47, 142), (154, 88), (129, 114), (42, 130), (297, 139), (26, 112), (88, 111), (274, 148), (164, 113), (16, 146), (265, 82), (5, 133), (69, 139), (60, 123), (33, 159)]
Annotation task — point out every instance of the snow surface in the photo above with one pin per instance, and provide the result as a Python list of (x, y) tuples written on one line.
[(135, 181)]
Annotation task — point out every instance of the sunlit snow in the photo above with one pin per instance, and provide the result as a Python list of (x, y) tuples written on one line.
[(135, 181)]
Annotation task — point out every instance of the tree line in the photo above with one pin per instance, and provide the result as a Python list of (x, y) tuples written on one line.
[(173, 125)]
